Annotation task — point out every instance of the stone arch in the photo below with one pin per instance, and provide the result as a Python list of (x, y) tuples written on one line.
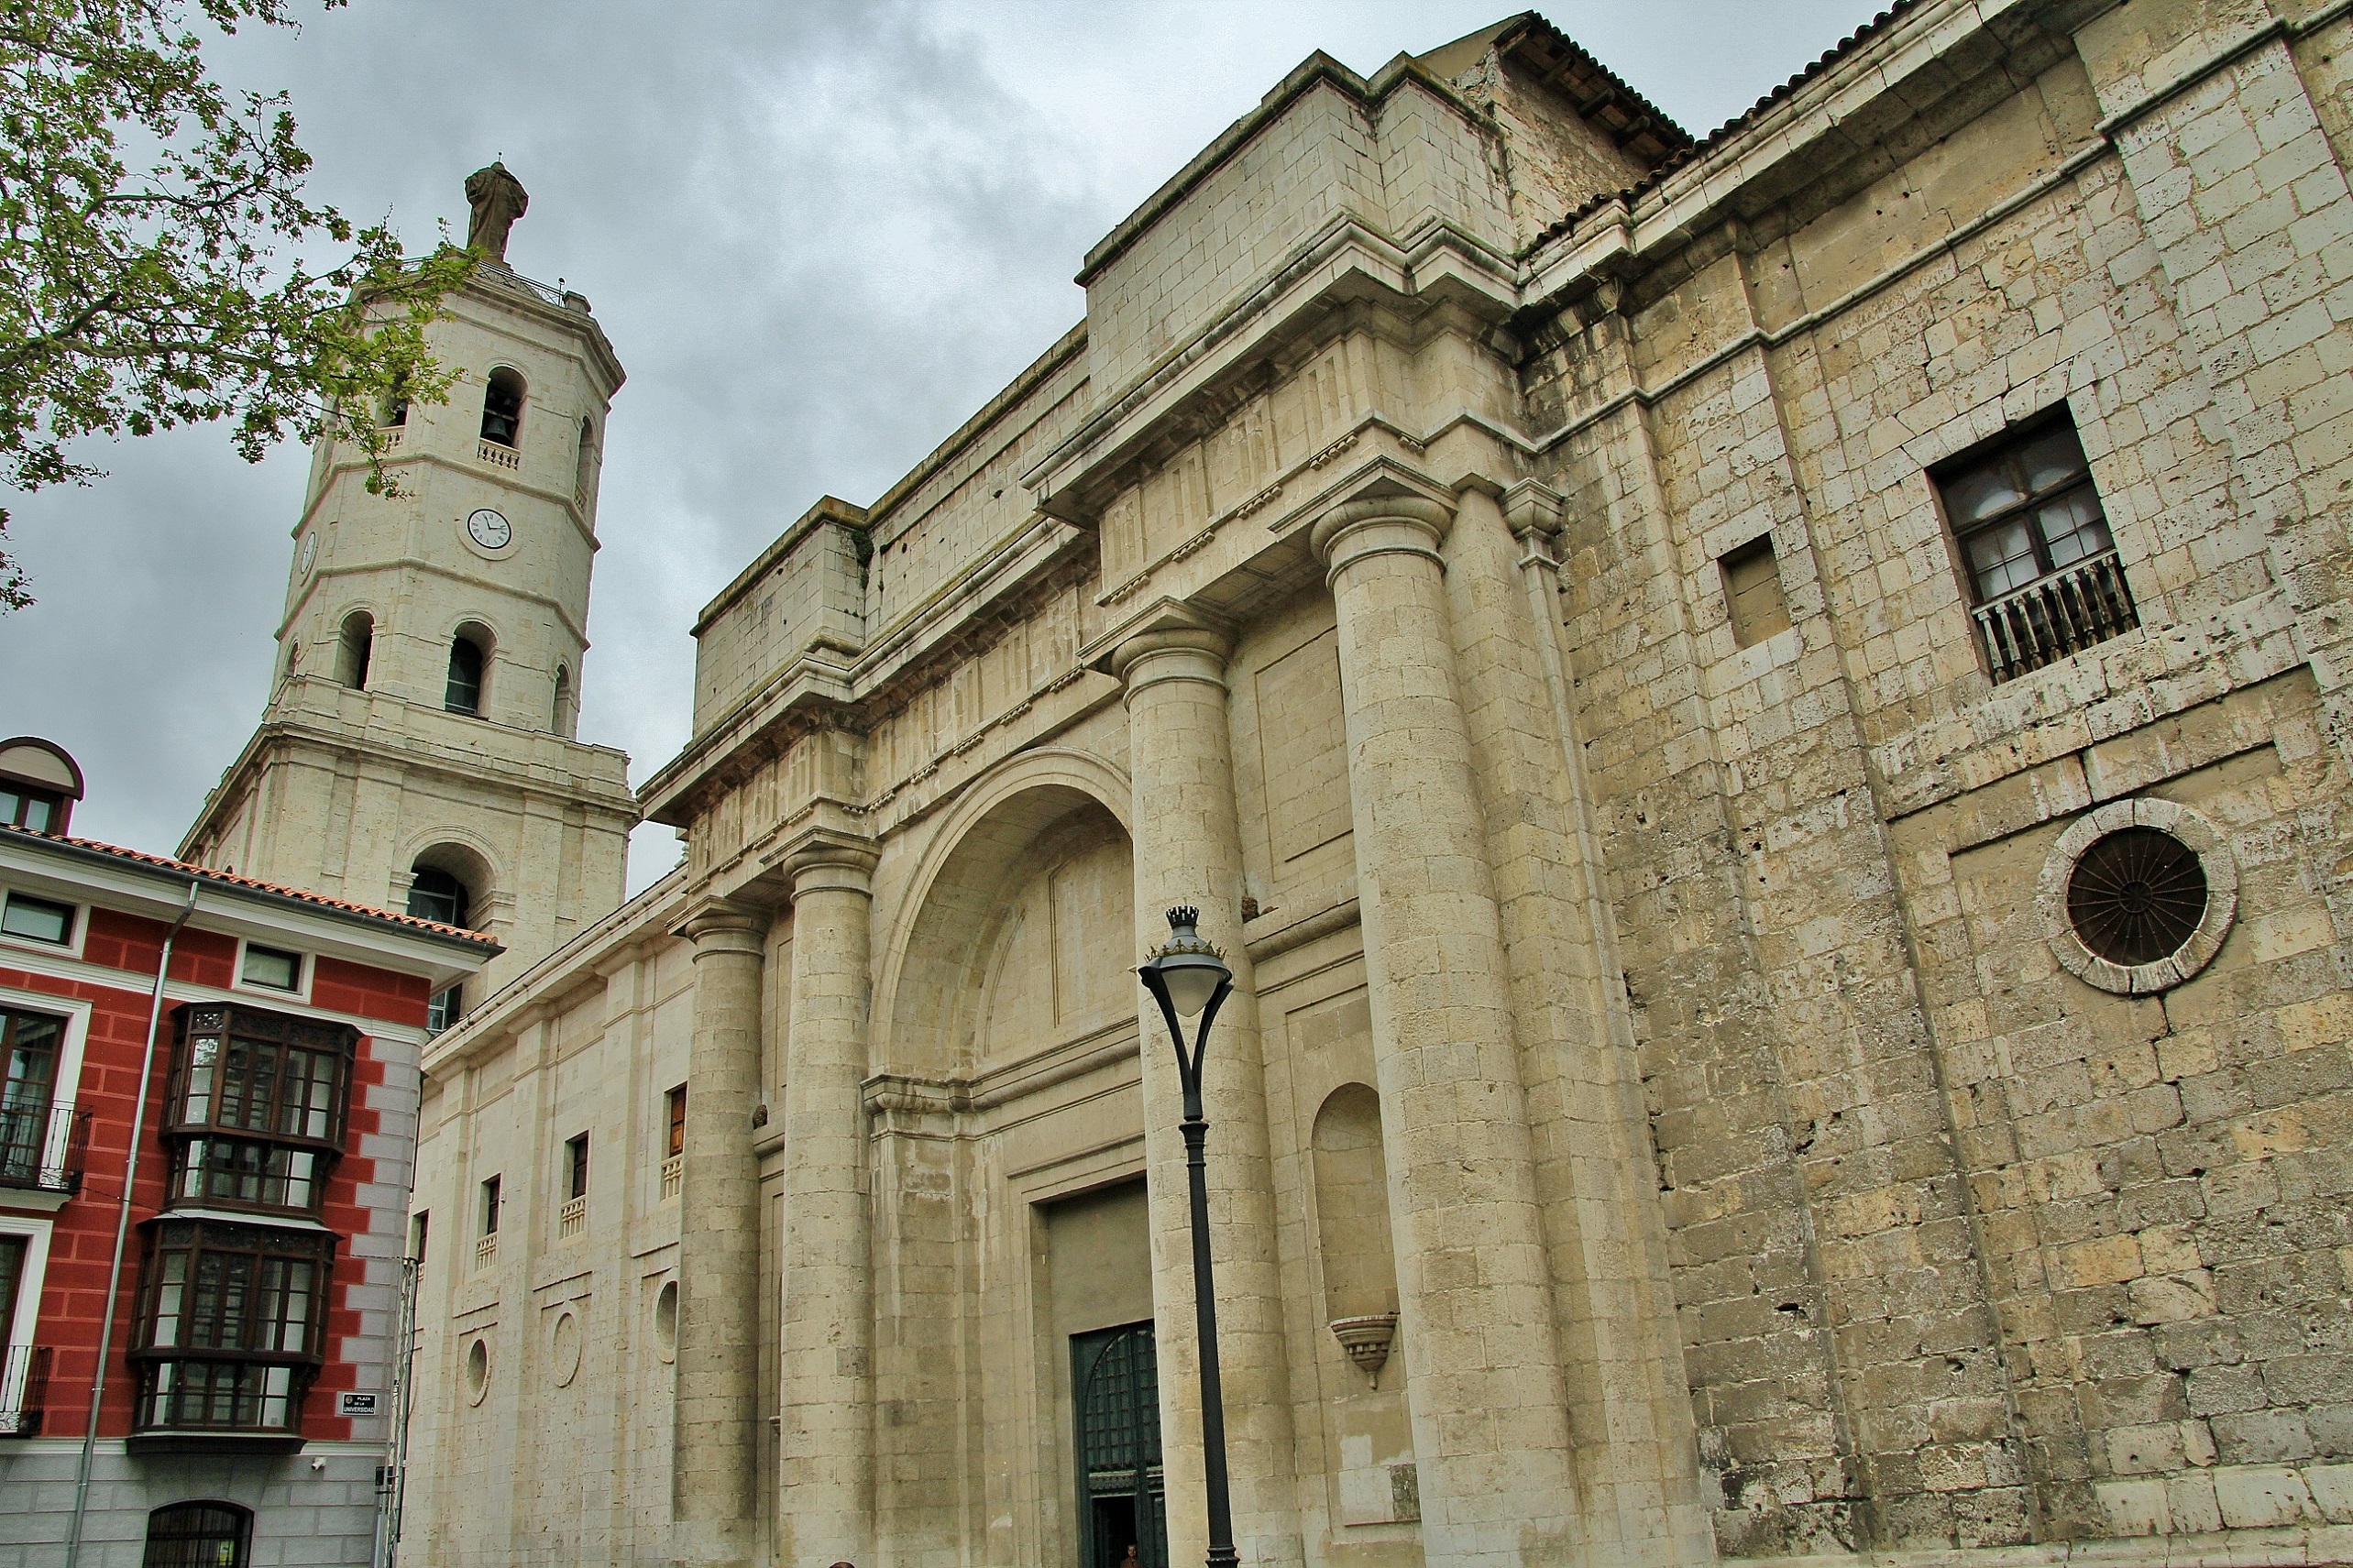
[(584, 462), (951, 927), (355, 648), (464, 855), (473, 653), (504, 392)]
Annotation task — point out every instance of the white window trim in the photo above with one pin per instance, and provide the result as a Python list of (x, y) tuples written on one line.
[(23, 1329), (305, 966), (70, 948)]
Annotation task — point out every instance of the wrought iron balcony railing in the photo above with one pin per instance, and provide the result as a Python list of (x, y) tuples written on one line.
[(2053, 617), (24, 1391), (42, 1145)]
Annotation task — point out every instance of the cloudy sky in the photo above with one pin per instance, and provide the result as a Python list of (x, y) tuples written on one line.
[(820, 234)]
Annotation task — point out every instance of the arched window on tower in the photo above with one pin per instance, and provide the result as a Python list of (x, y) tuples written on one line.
[(560, 719), (503, 407), (585, 468), (469, 667), (396, 406), (353, 649), (435, 893)]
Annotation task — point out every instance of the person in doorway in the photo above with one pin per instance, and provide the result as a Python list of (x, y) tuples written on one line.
[(1130, 1561)]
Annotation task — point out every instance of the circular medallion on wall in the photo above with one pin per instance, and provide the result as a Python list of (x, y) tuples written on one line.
[(564, 1348), (306, 555), (489, 529), (2137, 896)]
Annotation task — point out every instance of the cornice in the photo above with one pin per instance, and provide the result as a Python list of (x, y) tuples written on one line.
[(1436, 263)]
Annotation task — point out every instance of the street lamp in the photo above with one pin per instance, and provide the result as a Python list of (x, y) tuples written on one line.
[(1186, 976)]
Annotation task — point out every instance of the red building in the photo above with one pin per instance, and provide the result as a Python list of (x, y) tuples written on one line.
[(267, 1082)]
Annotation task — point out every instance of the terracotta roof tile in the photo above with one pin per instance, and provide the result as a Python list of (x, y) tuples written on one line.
[(1716, 137), (251, 885)]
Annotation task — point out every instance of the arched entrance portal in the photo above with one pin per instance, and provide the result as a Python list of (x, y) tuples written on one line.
[(1117, 1373)]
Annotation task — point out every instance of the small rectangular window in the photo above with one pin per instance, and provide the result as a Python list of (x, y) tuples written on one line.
[(444, 1010), (2034, 542), (1753, 591), (273, 967), (26, 808), (490, 1207), (38, 919), (576, 1154), (678, 1121), (418, 1223)]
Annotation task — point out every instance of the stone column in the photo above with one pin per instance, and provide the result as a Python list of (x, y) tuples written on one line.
[(1188, 851), (713, 1487), (826, 1438), (1490, 1432)]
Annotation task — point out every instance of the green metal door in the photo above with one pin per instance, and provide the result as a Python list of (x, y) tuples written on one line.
[(1115, 1388)]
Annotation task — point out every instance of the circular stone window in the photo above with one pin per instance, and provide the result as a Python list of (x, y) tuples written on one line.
[(2137, 895), (478, 1371), (665, 1322)]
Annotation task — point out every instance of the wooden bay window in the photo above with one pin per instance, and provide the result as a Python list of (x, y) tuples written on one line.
[(256, 1107), (232, 1326)]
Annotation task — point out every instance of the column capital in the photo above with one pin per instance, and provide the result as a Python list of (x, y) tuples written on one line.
[(1173, 651), (844, 865), (1375, 525), (721, 925), (1532, 506)]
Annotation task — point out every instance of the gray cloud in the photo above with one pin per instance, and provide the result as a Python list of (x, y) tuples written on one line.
[(820, 234)]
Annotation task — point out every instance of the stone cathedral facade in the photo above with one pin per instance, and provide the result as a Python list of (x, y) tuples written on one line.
[(1764, 724)]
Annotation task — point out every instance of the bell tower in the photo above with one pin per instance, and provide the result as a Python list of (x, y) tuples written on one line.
[(418, 750)]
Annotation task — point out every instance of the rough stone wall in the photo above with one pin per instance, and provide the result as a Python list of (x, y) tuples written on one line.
[(1888, 1342)]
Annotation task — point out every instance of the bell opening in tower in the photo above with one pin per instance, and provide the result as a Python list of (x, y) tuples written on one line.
[(503, 408)]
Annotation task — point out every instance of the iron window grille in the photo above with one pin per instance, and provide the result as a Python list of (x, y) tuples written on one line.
[(232, 1326), (24, 1391), (198, 1535), (2034, 541)]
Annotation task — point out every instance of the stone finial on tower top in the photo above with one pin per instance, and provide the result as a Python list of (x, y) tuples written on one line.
[(497, 199)]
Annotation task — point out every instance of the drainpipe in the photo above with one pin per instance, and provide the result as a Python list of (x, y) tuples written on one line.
[(123, 1230)]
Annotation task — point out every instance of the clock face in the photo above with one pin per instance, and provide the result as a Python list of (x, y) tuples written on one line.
[(489, 529), (303, 557)]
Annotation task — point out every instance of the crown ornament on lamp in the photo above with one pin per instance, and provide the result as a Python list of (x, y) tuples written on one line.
[(1187, 970)]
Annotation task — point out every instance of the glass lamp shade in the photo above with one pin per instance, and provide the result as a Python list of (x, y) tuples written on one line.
[(1188, 968)]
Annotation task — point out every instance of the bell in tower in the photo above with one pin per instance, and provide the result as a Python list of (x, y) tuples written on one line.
[(418, 750)]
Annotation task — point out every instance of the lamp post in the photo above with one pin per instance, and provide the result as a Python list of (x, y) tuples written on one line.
[(1186, 976)]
